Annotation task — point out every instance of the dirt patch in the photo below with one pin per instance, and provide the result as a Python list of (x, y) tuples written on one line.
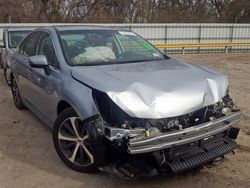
[(28, 158)]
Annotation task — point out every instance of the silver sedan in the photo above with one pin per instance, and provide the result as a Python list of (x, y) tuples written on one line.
[(116, 103)]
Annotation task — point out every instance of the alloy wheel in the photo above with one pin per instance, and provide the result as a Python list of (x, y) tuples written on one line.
[(74, 142), (15, 92)]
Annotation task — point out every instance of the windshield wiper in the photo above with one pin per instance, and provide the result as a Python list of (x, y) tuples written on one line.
[(116, 62), (93, 63), (139, 60)]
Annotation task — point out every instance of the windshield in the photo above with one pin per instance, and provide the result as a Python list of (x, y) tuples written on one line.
[(15, 37), (93, 47)]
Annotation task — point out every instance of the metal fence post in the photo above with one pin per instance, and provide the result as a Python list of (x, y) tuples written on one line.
[(226, 49), (166, 38), (183, 50), (231, 35), (199, 37)]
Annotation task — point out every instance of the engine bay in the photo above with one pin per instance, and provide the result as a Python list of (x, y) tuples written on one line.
[(115, 117)]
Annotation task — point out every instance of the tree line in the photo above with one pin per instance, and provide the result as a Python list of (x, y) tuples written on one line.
[(125, 11)]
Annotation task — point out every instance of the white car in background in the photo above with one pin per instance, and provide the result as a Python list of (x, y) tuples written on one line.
[(11, 38)]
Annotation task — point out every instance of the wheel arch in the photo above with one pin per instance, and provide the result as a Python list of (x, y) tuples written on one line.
[(79, 97), (62, 105)]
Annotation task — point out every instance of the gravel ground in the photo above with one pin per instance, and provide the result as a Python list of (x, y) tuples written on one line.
[(28, 158)]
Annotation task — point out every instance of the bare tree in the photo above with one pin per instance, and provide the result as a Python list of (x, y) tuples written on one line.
[(125, 11)]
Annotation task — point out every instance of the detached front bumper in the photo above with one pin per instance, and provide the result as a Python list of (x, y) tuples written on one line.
[(205, 131)]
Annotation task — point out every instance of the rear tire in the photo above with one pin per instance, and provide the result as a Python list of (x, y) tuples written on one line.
[(72, 143), (16, 94), (7, 75)]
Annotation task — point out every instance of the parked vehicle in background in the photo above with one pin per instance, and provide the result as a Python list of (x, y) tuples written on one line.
[(116, 103), (11, 38)]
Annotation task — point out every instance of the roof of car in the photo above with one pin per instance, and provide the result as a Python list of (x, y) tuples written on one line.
[(20, 28), (85, 27)]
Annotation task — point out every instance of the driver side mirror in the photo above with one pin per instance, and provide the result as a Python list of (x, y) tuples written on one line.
[(40, 61)]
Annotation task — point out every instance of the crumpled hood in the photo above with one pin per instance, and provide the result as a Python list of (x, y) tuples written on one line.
[(156, 89)]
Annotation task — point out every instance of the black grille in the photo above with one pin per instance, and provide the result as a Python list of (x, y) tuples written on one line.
[(206, 154)]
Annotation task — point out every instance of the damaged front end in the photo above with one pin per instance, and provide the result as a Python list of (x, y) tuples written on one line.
[(177, 143)]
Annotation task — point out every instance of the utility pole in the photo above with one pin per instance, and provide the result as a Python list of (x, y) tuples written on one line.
[(9, 18)]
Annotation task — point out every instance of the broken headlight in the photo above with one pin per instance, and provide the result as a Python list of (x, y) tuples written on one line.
[(112, 114)]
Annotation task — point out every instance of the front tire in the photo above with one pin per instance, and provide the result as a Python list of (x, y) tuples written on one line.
[(72, 143)]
